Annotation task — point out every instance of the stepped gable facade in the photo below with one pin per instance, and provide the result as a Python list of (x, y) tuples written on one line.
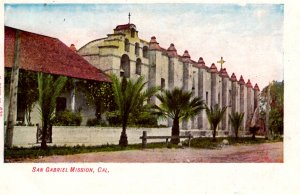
[(125, 54)]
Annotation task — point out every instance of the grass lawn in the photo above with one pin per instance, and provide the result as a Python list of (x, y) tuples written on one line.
[(16, 154)]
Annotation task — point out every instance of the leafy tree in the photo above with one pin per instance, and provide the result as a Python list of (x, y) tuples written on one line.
[(129, 97), (276, 111), (49, 89), (236, 122), (214, 116), (178, 105), (29, 91), (100, 95), (27, 88)]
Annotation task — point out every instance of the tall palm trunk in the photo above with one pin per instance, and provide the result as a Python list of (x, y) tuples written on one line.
[(236, 134), (214, 133), (123, 138), (44, 136), (175, 131)]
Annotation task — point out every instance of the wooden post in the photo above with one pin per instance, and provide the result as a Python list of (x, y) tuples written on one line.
[(190, 139), (13, 93), (144, 139)]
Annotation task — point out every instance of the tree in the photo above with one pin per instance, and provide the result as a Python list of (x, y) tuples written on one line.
[(27, 89), (275, 107), (236, 122), (129, 97), (49, 89), (214, 116), (178, 105), (99, 95)]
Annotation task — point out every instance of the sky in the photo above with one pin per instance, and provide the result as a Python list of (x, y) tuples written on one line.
[(249, 37)]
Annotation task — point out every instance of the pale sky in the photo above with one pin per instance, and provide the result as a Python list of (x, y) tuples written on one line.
[(249, 37)]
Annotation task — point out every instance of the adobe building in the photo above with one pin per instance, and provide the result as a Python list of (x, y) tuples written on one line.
[(39, 53), (125, 54)]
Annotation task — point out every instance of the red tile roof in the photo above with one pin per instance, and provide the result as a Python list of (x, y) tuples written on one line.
[(124, 26), (49, 55)]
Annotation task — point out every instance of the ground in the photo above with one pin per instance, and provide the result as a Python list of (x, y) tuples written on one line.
[(267, 152)]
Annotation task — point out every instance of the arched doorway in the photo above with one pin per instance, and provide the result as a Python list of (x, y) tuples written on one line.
[(125, 66)]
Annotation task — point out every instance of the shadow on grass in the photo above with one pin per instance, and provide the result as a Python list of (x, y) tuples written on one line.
[(19, 153)]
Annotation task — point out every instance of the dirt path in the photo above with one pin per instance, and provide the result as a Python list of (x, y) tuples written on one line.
[(270, 152)]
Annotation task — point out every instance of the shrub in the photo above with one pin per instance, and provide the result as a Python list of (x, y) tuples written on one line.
[(67, 118), (113, 118), (92, 122), (146, 119), (143, 119)]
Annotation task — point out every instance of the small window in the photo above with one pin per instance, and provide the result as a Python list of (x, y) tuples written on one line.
[(145, 52), (219, 99), (121, 73), (137, 49), (206, 98), (162, 83), (127, 45), (138, 69), (61, 104)]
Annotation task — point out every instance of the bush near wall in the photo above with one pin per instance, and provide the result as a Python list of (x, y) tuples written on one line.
[(143, 119), (67, 118)]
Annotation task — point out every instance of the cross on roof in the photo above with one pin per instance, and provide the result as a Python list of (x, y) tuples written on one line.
[(221, 62), (129, 17)]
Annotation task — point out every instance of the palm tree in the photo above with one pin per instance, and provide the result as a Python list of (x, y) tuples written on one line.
[(129, 97), (214, 116), (49, 89), (178, 104), (236, 121)]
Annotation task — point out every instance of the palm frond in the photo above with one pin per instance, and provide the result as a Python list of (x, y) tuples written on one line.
[(49, 89), (236, 119), (178, 103), (215, 115)]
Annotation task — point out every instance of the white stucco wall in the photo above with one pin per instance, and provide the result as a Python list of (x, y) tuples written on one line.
[(91, 136)]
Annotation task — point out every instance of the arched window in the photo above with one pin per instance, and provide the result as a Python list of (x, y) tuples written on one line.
[(125, 66), (138, 67), (145, 52), (137, 49), (162, 83), (127, 45), (132, 33)]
